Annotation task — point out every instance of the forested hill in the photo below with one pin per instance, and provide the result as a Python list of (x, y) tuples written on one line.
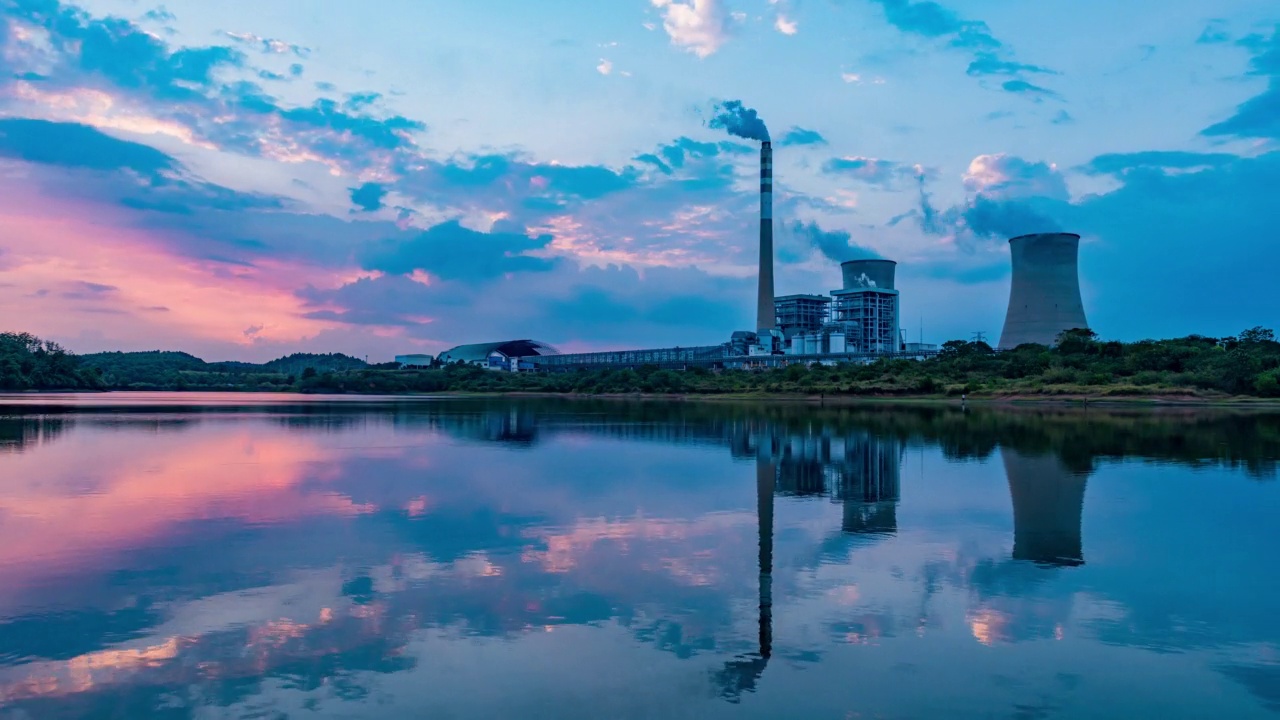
[(29, 363), (158, 369), (297, 363)]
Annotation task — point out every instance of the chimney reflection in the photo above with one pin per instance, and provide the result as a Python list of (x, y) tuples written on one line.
[(766, 477), (1048, 502), (740, 676)]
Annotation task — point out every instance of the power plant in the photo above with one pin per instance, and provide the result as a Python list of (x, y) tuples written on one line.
[(1044, 298), (860, 322)]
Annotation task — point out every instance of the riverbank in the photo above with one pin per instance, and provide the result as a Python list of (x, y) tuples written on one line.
[(1099, 399)]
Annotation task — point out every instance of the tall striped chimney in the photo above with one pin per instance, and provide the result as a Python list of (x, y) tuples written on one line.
[(765, 318)]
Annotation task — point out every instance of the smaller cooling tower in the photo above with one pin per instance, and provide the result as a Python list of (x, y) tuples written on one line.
[(1044, 299), (861, 274)]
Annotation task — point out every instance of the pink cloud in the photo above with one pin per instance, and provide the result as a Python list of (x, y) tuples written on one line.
[(159, 297)]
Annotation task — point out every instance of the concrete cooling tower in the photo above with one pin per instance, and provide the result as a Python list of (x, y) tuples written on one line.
[(1044, 300), (859, 274)]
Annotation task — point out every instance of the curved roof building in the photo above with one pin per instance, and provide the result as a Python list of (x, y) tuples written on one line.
[(479, 353), (1044, 300)]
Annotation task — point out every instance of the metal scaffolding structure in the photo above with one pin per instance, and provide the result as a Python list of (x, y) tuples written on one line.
[(868, 318), (800, 314)]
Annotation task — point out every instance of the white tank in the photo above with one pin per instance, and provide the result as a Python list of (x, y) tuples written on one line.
[(836, 343), (811, 344), (797, 345)]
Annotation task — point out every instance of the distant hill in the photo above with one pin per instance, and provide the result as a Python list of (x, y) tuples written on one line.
[(296, 363), (169, 369)]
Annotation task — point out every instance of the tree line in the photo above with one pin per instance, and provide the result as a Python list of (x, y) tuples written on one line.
[(1080, 364), (29, 363)]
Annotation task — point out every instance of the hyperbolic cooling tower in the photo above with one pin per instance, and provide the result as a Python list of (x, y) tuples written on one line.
[(1048, 505), (860, 274), (1044, 300), (765, 318)]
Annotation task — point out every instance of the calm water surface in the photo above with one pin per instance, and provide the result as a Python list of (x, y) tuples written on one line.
[(205, 556)]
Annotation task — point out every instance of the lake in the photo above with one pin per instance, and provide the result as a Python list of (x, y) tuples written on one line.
[(270, 556)]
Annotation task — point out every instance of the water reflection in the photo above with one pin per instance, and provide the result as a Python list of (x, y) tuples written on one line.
[(1048, 501), (154, 562), (741, 675)]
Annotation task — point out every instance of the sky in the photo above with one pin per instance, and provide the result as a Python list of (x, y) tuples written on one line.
[(243, 180)]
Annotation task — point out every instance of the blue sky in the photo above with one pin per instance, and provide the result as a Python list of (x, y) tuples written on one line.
[(245, 179)]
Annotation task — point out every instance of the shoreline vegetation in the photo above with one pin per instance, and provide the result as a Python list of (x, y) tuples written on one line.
[(1081, 368)]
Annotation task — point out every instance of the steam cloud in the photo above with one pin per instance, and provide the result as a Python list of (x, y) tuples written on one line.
[(736, 119), (836, 245), (1006, 218), (983, 217)]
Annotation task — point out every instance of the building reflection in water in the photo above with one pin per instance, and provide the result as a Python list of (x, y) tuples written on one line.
[(863, 472), (1048, 504), (859, 470)]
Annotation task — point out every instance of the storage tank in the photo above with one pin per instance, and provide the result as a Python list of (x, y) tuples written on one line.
[(836, 343), (811, 344), (797, 344), (861, 274)]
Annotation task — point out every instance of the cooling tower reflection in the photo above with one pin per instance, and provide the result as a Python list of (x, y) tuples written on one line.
[(1048, 502)]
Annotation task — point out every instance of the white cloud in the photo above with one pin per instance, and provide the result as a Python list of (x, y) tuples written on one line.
[(605, 67), (698, 26), (268, 45), (851, 78), (785, 26), (1006, 176)]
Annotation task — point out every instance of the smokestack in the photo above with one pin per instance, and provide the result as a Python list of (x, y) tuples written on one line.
[(765, 319)]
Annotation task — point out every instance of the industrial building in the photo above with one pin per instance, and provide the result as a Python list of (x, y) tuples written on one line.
[(860, 322), (502, 355), (414, 361), (1044, 298), (801, 314), (860, 318)]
